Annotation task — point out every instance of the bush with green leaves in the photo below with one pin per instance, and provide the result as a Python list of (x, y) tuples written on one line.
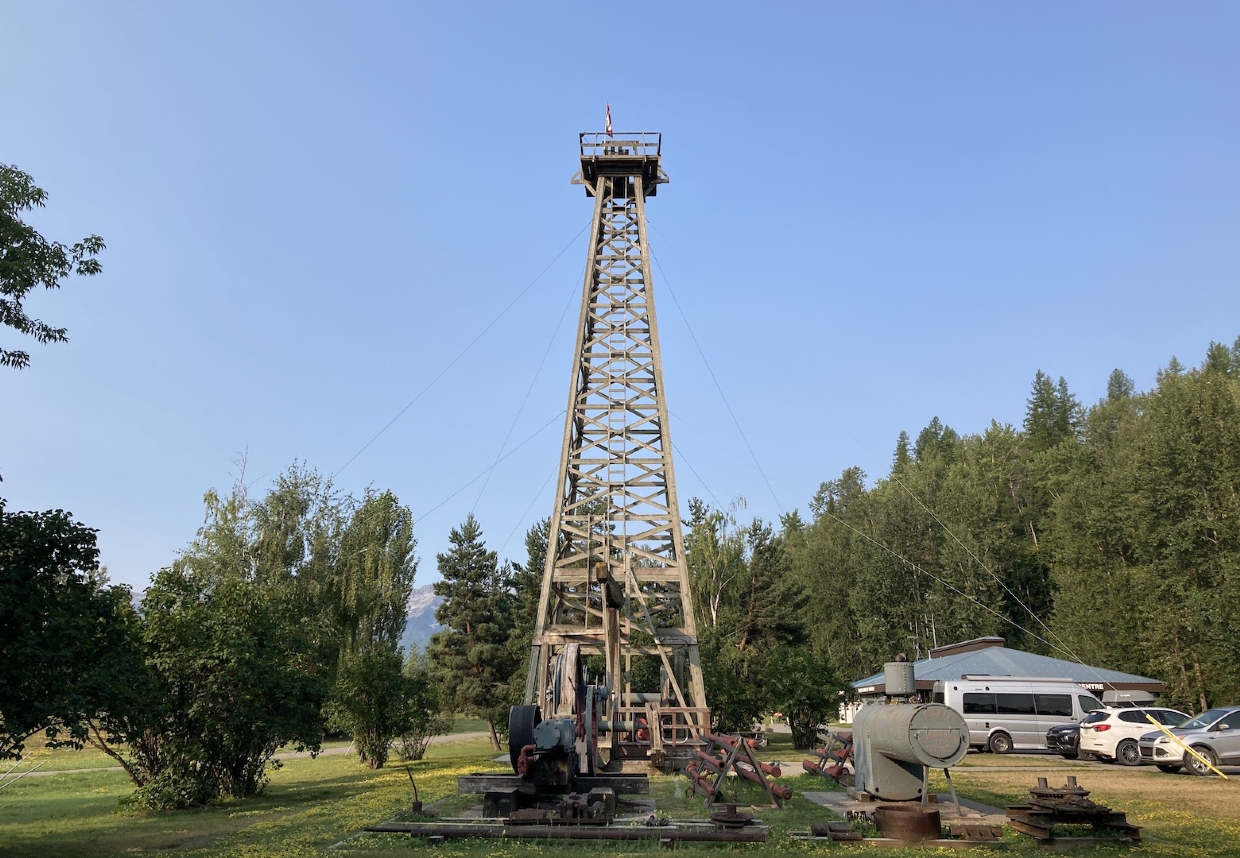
[(68, 640), (240, 639), (232, 677), (426, 712)]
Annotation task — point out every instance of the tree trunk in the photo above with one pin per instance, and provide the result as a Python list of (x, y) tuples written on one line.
[(494, 736), (95, 739), (1201, 683)]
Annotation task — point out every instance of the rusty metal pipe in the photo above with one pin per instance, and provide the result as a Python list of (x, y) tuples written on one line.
[(618, 726), (753, 777), (732, 741), (569, 832), (700, 781)]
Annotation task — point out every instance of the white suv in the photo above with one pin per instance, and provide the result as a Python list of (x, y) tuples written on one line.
[(1112, 734)]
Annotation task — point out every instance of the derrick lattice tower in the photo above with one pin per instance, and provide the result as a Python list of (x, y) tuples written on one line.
[(616, 583)]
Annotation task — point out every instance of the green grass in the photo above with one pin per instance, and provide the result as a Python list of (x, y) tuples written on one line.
[(461, 724), (312, 805), (308, 806), (57, 760)]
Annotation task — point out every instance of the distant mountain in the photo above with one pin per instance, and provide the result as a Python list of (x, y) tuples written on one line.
[(420, 623)]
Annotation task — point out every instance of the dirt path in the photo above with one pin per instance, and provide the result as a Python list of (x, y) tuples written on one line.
[(328, 752)]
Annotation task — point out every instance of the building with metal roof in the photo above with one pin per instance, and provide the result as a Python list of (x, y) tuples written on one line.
[(990, 656)]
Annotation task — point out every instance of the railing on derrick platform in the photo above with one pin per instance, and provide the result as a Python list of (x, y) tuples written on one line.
[(627, 144)]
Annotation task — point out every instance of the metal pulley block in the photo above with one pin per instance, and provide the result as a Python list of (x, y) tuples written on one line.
[(731, 818)]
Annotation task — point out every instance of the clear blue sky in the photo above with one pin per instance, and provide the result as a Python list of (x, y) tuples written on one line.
[(879, 213)]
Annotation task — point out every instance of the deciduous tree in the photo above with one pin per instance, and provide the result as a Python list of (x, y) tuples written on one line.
[(373, 580), (28, 261), (238, 649), (68, 640)]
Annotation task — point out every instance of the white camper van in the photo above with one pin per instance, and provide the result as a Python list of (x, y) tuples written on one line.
[(1005, 713)]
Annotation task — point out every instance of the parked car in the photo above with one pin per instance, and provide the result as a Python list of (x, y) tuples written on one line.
[(1115, 734), (1215, 734), (1065, 740)]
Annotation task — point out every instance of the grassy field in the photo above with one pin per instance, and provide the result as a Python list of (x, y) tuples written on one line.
[(319, 806), (468, 725)]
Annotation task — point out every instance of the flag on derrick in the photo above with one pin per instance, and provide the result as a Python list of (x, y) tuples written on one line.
[(608, 128)]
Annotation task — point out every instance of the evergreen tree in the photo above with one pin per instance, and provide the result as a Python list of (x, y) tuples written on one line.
[(527, 587), (472, 655), (1119, 385), (1111, 535), (901, 458), (1051, 415), (935, 440), (527, 580)]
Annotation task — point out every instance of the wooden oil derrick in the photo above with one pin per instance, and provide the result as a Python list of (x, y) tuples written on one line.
[(616, 582)]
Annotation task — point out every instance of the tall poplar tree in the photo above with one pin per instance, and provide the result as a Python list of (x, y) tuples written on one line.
[(373, 581)]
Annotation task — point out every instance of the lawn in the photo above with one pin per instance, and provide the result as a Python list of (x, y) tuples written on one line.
[(319, 806)]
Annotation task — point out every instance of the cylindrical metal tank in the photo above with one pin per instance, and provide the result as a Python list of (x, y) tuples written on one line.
[(899, 679), (930, 734)]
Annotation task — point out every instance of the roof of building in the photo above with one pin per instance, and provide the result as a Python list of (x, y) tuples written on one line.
[(998, 660)]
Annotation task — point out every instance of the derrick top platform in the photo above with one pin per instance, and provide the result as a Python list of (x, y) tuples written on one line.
[(624, 155)]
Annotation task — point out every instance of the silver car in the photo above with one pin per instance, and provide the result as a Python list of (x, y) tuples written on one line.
[(1214, 734)]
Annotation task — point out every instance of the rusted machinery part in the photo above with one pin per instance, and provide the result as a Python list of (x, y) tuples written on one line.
[(731, 741), (975, 830), (699, 780), (1071, 788), (779, 790), (771, 769), (524, 758), (836, 831), (908, 822), (835, 771), (839, 755), (1071, 797), (570, 832), (521, 723), (716, 765), (731, 818)]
